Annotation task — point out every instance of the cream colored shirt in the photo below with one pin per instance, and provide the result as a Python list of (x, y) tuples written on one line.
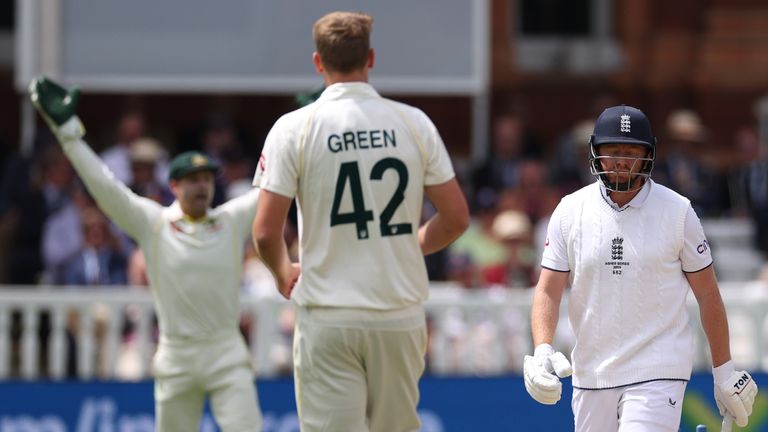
[(357, 164), (194, 268)]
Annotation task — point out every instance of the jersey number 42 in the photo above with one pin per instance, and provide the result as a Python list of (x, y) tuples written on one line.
[(349, 173)]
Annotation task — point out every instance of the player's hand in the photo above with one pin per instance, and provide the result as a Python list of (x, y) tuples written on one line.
[(287, 282), (735, 392), (542, 373), (57, 105)]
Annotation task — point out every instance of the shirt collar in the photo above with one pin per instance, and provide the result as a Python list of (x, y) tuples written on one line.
[(636, 202), (177, 215), (347, 89)]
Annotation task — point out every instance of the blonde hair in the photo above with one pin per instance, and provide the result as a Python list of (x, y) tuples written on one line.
[(342, 39)]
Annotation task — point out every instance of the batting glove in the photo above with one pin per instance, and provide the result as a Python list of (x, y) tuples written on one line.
[(57, 106), (735, 392), (542, 373)]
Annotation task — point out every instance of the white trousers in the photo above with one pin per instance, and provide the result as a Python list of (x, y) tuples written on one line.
[(654, 406), (187, 372), (358, 370)]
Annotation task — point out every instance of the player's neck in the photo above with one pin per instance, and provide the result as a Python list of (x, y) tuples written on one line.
[(356, 76)]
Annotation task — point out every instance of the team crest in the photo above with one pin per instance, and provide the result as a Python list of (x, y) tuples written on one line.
[(199, 160), (617, 249), (617, 256), (624, 124)]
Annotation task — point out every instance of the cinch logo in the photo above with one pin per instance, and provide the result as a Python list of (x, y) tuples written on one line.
[(702, 247), (625, 125), (617, 249)]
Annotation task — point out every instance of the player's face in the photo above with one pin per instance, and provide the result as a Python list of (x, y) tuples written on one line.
[(194, 193), (622, 161)]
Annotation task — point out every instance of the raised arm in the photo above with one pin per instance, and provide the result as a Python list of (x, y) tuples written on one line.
[(242, 210), (57, 105)]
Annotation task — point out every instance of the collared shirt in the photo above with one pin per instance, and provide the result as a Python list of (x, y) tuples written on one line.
[(194, 267), (357, 164), (626, 271), (636, 201), (555, 255)]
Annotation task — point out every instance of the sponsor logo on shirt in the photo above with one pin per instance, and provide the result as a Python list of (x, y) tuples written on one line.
[(702, 247)]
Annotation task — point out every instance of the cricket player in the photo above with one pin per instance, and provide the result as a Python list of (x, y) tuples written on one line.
[(630, 249), (359, 166), (194, 258)]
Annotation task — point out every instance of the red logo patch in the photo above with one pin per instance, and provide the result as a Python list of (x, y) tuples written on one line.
[(262, 160)]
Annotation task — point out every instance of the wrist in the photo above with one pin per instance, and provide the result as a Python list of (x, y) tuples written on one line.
[(70, 130), (723, 372), (543, 350)]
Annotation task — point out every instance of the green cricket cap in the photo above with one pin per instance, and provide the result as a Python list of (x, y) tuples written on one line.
[(191, 162)]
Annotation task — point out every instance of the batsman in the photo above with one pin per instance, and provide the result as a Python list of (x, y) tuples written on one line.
[(630, 249), (194, 257)]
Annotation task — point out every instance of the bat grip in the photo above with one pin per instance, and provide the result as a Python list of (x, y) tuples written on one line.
[(727, 424)]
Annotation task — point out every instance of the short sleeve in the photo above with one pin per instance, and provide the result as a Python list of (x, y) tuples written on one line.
[(555, 256), (439, 167), (696, 254), (277, 170)]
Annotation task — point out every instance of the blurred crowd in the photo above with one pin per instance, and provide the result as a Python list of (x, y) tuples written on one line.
[(52, 233)]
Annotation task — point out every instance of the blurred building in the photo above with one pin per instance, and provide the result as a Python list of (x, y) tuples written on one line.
[(559, 60)]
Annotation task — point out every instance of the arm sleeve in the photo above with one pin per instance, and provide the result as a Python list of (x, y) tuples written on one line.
[(555, 256), (133, 214), (439, 167), (696, 254), (278, 170), (242, 210)]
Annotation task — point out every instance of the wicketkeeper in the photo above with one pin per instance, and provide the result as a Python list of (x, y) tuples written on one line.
[(194, 258)]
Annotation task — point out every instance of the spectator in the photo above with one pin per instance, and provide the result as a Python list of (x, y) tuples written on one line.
[(220, 140), (509, 146), (131, 127), (100, 261), (683, 168), (51, 181), (145, 154), (569, 172), (513, 229), (478, 243), (63, 234), (749, 183)]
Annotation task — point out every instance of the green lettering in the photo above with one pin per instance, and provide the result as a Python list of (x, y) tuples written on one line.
[(334, 143), (388, 138), (349, 139), (362, 138), (375, 138)]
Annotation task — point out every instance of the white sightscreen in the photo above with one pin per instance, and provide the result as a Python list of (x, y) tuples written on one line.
[(256, 46)]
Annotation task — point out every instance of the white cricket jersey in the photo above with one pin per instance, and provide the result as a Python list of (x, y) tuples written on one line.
[(357, 164), (627, 305), (194, 268)]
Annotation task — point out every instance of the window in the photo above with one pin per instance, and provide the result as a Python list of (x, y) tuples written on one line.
[(567, 36), (555, 17)]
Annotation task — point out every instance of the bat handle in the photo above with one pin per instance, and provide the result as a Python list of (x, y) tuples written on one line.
[(727, 424)]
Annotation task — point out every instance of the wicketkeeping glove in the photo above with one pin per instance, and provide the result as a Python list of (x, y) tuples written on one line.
[(735, 392), (57, 105), (542, 373)]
